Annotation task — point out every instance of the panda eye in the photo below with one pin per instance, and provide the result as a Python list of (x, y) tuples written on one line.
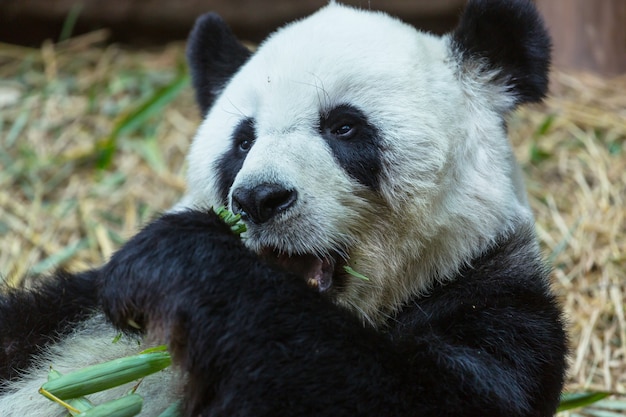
[(344, 131), (342, 123), (245, 145), (244, 135)]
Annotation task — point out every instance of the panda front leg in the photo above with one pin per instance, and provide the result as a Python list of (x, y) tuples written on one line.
[(252, 339), (256, 341), (31, 319)]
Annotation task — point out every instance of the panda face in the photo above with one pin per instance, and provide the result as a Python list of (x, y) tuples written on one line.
[(350, 138)]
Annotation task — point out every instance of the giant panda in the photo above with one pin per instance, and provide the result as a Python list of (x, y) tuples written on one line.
[(347, 139)]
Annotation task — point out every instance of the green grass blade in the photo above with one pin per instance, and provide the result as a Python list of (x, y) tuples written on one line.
[(70, 22), (592, 412), (153, 105), (16, 129), (545, 126), (59, 257), (138, 116), (612, 404)]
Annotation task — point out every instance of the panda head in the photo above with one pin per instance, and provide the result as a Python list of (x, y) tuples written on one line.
[(351, 138)]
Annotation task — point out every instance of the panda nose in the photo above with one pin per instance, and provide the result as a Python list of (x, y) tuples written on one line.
[(262, 202)]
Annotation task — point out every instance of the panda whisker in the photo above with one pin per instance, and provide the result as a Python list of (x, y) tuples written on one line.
[(323, 103), (238, 112)]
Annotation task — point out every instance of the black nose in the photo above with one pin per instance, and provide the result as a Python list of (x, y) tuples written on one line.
[(262, 202)]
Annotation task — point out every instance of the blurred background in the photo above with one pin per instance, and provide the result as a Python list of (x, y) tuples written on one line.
[(96, 116), (587, 34)]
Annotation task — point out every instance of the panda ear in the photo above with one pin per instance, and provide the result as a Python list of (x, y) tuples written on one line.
[(214, 55), (508, 37)]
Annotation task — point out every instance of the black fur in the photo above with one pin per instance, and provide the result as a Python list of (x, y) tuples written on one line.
[(257, 341), (214, 55), (31, 319), (229, 164), (510, 37), (358, 151)]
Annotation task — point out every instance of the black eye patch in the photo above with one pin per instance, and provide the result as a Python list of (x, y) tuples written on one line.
[(230, 163), (355, 143)]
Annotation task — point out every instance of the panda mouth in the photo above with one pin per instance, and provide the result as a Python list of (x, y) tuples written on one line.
[(317, 272)]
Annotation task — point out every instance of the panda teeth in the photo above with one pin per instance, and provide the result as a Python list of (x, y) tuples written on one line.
[(313, 283), (321, 274)]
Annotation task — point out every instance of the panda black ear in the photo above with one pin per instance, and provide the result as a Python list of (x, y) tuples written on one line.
[(507, 36), (214, 55)]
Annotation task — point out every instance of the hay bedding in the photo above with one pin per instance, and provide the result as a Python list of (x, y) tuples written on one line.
[(573, 151), (57, 209)]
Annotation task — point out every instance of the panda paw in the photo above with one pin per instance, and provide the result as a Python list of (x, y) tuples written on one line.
[(173, 264)]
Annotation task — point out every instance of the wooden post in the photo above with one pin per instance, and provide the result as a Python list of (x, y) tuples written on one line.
[(587, 34), (155, 21)]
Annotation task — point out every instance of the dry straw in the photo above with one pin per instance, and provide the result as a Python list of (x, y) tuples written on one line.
[(56, 209), (573, 150)]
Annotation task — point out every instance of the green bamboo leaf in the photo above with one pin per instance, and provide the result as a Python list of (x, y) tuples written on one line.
[(231, 219), (127, 406), (573, 400), (106, 375), (352, 272), (80, 404), (173, 410), (158, 348)]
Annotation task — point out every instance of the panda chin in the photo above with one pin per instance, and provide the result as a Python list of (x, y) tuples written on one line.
[(317, 272)]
